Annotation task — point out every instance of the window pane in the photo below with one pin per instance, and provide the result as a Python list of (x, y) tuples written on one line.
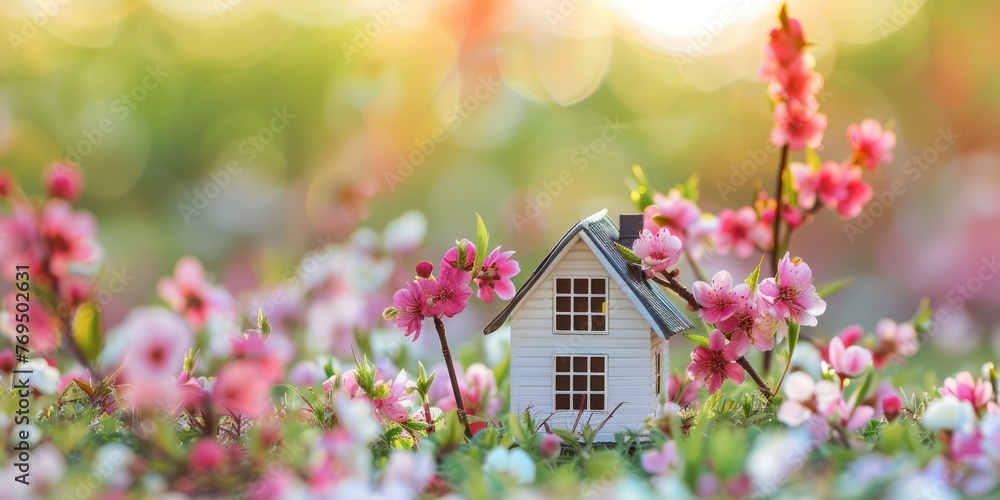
[(597, 364), (579, 382), (597, 402), (597, 286), (580, 286), (597, 305), (562, 402), (579, 401), (597, 382), (597, 323), (562, 382), (562, 364), (580, 322), (580, 364), (563, 304), (563, 322), (580, 304), (562, 285)]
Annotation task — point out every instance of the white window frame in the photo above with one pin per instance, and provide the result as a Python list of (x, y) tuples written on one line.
[(590, 314), (588, 373)]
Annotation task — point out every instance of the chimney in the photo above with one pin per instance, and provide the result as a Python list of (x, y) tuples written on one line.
[(629, 227)]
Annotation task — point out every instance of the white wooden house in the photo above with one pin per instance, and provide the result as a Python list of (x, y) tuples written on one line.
[(587, 330)]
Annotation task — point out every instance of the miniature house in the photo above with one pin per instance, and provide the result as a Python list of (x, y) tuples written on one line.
[(588, 331)]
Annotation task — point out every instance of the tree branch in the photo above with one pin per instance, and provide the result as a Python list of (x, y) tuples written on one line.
[(446, 352), (755, 376)]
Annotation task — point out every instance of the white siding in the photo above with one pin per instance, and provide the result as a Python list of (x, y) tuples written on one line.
[(631, 375)]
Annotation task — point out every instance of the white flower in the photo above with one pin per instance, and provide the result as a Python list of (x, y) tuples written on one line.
[(950, 413), (404, 233), (515, 464), (43, 377), (356, 416), (777, 456)]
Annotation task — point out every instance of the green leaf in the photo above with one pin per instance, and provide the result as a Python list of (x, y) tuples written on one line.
[(482, 243), (697, 339), (516, 428), (641, 195), (263, 325), (567, 437), (754, 277), (830, 289), (627, 253), (87, 330), (462, 253), (922, 318), (813, 159), (793, 338), (864, 389)]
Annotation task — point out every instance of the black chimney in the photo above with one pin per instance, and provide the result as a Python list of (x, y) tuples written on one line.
[(629, 227)]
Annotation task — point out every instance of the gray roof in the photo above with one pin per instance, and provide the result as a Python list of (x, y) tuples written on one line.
[(666, 320)]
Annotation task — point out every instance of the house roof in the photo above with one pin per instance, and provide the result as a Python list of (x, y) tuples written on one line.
[(601, 232)]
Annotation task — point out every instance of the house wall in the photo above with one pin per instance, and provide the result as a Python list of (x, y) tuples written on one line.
[(627, 344)]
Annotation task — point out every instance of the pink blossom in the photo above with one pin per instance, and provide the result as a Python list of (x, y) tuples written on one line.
[(786, 43), (68, 235), (792, 295), (45, 326), (188, 293), (188, 394), (268, 353), (411, 309), (681, 390), (718, 300), (967, 388), (797, 82), (849, 361), (717, 362), (448, 293), (7, 363), (857, 193), (550, 446), (387, 400), (23, 243), (207, 455), (806, 397), (495, 275), (63, 180), (894, 341), (674, 212), (872, 146), (156, 341), (743, 231), (451, 257), (752, 316), (797, 125), (658, 253), (242, 389), (329, 383), (825, 184), (663, 461)]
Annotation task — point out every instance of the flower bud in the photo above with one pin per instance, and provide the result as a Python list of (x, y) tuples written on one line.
[(891, 407), (389, 313), (424, 269), (549, 448), (64, 180)]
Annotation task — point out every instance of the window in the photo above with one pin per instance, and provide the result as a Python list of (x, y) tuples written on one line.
[(581, 381), (659, 371), (581, 305)]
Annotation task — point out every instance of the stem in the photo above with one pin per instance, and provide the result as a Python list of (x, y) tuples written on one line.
[(783, 373), (669, 280), (446, 352), (779, 195), (755, 376)]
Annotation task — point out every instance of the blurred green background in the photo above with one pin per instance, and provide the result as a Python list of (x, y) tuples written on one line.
[(240, 131)]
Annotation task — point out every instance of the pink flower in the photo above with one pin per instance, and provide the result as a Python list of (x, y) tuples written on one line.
[(797, 125), (681, 390), (857, 193), (849, 361), (792, 295), (663, 461), (743, 231), (717, 362), (872, 146), (411, 309), (451, 257), (826, 184), (674, 212), (894, 341), (550, 446), (242, 389), (188, 293), (387, 400), (68, 236), (189, 394), (63, 180), (967, 388), (268, 353), (45, 327), (658, 253), (718, 300), (797, 82), (786, 43), (806, 397), (448, 293), (752, 316), (23, 244), (498, 269), (328, 384), (206, 455), (349, 383), (156, 341)]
